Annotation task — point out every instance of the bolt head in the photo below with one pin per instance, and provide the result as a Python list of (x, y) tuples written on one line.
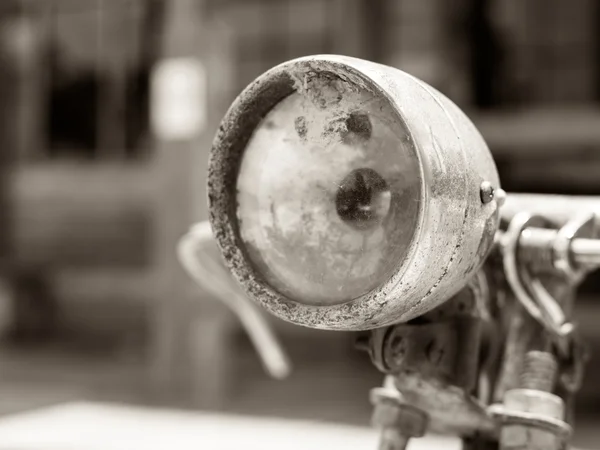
[(395, 350), (534, 401), (486, 192)]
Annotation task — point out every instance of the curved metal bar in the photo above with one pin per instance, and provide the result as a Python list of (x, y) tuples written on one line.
[(560, 210), (543, 307), (199, 256)]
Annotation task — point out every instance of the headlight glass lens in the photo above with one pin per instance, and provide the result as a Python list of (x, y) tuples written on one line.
[(328, 196)]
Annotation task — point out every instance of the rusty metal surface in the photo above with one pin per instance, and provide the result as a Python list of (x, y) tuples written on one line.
[(534, 420), (531, 415), (288, 169), (454, 230), (523, 331), (436, 361)]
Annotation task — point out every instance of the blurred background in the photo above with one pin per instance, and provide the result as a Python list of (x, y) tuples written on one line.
[(104, 147)]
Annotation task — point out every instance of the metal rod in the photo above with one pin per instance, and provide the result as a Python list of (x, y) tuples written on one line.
[(585, 252), (557, 208)]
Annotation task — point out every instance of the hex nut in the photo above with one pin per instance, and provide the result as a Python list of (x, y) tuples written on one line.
[(534, 401), (521, 437), (524, 437)]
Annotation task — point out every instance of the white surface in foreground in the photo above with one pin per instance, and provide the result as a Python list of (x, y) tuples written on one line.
[(84, 426)]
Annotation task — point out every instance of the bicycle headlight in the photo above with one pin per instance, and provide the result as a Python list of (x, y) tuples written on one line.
[(346, 195)]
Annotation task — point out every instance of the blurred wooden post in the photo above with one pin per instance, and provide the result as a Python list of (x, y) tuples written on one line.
[(190, 350), (16, 55), (376, 21), (112, 79), (10, 65)]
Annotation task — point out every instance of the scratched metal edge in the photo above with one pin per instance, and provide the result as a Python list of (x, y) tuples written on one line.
[(472, 224), (480, 221)]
